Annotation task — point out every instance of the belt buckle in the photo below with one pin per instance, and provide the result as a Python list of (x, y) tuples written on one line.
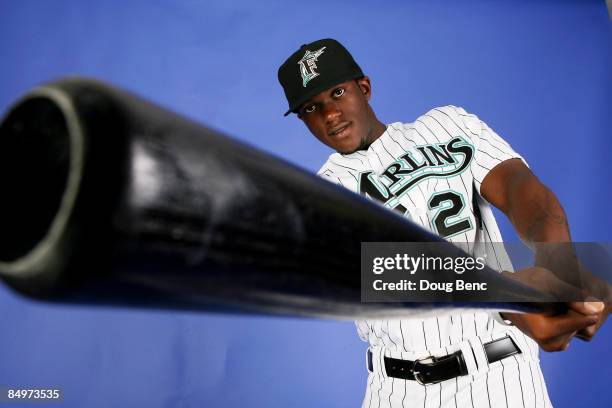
[(417, 374)]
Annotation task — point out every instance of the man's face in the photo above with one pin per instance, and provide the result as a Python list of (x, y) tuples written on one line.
[(341, 117)]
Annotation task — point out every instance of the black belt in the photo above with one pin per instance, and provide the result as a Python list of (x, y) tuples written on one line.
[(431, 370)]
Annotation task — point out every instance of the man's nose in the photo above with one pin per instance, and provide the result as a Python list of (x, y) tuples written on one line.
[(331, 111)]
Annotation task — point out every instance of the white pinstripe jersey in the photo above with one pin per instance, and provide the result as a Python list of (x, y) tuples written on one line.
[(431, 171)]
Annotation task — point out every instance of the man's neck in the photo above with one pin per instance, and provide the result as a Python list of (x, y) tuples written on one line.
[(377, 131)]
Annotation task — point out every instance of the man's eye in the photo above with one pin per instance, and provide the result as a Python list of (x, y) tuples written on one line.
[(309, 109), (338, 92)]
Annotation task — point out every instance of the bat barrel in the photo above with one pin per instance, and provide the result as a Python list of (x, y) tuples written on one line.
[(111, 199), (41, 164)]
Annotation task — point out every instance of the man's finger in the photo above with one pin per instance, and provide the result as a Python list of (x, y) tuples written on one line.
[(587, 308), (573, 321), (587, 333)]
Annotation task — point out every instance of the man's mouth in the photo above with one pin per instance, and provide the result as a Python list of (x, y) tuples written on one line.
[(339, 130)]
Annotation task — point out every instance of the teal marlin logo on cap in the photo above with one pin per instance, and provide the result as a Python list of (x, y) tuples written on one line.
[(308, 65)]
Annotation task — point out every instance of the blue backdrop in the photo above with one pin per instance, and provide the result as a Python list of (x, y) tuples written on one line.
[(538, 72)]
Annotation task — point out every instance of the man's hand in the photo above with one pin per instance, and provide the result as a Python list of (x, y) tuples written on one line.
[(592, 289), (539, 219), (555, 332), (587, 333)]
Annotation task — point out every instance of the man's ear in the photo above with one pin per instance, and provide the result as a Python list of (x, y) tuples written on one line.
[(365, 86)]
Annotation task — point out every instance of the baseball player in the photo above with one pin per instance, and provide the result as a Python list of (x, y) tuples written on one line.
[(465, 359)]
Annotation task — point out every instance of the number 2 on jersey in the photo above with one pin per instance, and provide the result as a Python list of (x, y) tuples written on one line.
[(450, 205)]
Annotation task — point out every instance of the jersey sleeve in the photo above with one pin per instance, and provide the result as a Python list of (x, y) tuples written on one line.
[(329, 175), (363, 330), (489, 148), (339, 176)]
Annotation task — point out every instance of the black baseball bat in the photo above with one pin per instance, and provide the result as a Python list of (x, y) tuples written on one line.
[(110, 199)]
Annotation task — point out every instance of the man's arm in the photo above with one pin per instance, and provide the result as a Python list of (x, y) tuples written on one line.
[(538, 218)]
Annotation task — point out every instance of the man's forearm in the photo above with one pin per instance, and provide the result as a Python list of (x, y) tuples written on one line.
[(536, 213), (540, 220)]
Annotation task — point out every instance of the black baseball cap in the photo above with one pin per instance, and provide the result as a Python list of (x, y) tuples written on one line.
[(314, 68)]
